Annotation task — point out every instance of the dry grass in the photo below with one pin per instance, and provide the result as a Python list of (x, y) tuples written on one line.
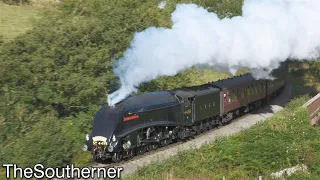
[(16, 20), (44, 4)]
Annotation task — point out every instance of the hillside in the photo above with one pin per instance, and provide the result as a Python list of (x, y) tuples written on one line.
[(305, 77), (56, 75), (16, 20), (56, 72)]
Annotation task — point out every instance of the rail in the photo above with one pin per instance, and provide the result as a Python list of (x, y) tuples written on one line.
[(313, 106)]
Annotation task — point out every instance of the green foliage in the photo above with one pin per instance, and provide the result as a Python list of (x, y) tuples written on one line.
[(1, 40), (191, 77), (285, 140), (16, 1), (305, 77), (41, 145), (303, 176), (54, 77), (64, 65), (53, 142)]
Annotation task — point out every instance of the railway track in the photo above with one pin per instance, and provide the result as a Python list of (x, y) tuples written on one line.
[(243, 122)]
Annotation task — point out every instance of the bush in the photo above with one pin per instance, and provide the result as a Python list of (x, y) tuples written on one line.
[(58, 73), (53, 143), (16, 1)]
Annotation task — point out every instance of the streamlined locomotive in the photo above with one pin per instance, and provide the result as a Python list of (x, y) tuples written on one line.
[(144, 122)]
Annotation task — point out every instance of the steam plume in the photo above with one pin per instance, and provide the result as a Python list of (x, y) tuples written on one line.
[(268, 32)]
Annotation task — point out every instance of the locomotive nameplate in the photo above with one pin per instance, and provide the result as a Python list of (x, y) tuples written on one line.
[(131, 118)]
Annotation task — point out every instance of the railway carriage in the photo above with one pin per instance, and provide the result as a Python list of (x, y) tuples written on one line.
[(239, 94)]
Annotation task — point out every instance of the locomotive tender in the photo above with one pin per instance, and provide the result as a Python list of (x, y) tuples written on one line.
[(144, 122)]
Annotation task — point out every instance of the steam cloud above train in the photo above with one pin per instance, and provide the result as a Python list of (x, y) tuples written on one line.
[(267, 33)]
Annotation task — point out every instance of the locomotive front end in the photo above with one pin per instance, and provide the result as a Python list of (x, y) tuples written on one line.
[(102, 141)]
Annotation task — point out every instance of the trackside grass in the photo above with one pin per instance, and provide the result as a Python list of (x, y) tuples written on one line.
[(283, 141)]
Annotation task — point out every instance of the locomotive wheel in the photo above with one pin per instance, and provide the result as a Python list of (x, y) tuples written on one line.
[(131, 153), (141, 150), (117, 157), (201, 127), (154, 146), (166, 142), (208, 125), (196, 129)]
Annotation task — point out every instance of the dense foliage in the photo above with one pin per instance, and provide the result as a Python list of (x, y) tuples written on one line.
[(54, 77), (16, 1)]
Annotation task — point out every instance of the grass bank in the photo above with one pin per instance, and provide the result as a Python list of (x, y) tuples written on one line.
[(17, 19), (285, 140)]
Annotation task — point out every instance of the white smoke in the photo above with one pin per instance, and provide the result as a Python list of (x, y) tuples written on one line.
[(268, 32)]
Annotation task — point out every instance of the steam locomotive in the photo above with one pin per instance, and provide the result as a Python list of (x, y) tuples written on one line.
[(147, 121)]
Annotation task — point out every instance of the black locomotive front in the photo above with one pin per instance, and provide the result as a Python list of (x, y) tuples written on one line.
[(102, 141), (132, 123)]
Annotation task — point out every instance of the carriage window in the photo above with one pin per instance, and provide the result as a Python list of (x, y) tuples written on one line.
[(242, 93), (200, 108), (233, 95), (213, 104), (205, 106), (248, 90), (209, 105)]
